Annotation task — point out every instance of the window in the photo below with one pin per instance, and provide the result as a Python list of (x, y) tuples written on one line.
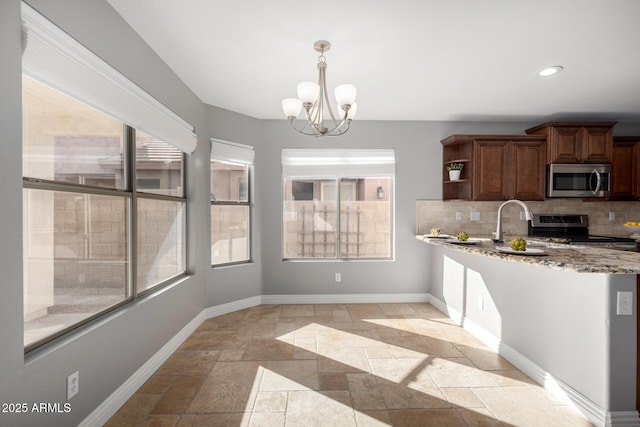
[(103, 203), (338, 204), (231, 165)]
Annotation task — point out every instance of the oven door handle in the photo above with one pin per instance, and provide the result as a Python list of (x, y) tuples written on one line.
[(598, 181)]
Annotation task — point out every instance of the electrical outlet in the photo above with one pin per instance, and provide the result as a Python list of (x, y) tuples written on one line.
[(73, 384), (458, 216), (612, 216), (338, 277), (523, 216), (625, 304), (474, 216)]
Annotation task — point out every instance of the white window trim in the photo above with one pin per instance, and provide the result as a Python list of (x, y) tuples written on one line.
[(54, 58)]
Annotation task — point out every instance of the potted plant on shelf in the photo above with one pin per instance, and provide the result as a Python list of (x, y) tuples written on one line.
[(454, 171)]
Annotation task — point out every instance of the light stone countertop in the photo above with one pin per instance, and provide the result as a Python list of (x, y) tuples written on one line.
[(582, 259)]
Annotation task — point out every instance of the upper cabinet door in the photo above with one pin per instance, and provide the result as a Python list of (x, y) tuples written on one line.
[(490, 180), (564, 145), (576, 142), (527, 160), (597, 145)]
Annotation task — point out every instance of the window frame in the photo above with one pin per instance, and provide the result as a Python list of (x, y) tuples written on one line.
[(248, 203), (337, 166), (130, 193)]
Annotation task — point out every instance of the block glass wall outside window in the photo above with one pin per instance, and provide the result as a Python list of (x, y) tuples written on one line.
[(337, 204), (103, 202), (77, 202), (312, 226), (75, 222), (231, 165)]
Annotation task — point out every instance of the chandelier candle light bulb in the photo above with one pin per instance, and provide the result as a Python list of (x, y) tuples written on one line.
[(313, 97)]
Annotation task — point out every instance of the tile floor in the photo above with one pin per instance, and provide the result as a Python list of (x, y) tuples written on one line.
[(339, 365)]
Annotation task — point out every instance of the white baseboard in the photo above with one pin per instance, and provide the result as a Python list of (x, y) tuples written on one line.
[(345, 298), (120, 396), (219, 310), (562, 391), (110, 406)]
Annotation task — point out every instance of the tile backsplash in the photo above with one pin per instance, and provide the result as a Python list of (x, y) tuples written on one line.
[(442, 214)]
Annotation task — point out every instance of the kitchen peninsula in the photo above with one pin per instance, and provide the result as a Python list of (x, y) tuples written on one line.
[(555, 317)]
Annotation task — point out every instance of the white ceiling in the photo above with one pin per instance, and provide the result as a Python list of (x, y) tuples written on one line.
[(410, 59)]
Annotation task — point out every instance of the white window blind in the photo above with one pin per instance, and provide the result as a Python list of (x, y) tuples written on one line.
[(330, 163), (232, 152), (54, 58)]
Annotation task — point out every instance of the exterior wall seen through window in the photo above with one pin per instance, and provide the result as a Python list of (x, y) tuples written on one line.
[(77, 208), (318, 223)]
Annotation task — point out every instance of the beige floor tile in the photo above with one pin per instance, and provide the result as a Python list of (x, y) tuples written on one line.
[(512, 378), (373, 418), (176, 399), (305, 349), (341, 315), (344, 339), (270, 401), (342, 359), (303, 409), (189, 362), (230, 387), (334, 381), (215, 420), (230, 355), (365, 393), (161, 421), (405, 383), (289, 375), (157, 384), (378, 353), (480, 417), (339, 365), (268, 349), (522, 407), (395, 309), (297, 310), (427, 418), (462, 397), (458, 372), (272, 419), (400, 396), (485, 359), (216, 340), (134, 411)]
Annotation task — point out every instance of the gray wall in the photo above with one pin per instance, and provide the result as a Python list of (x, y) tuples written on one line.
[(233, 283), (418, 176), (109, 351), (563, 321)]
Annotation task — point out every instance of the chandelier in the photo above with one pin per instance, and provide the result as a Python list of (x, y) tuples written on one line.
[(320, 119)]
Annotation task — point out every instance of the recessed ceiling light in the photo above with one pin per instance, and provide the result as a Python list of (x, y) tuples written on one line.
[(550, 71)]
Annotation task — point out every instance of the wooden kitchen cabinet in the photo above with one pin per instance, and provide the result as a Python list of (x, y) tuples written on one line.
[(625, 168), (577, 142), (497, 167)]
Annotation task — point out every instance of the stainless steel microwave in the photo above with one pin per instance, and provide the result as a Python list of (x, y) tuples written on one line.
[(578, 180)]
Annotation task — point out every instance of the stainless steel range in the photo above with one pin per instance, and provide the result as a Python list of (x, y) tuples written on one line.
[(574, 229)]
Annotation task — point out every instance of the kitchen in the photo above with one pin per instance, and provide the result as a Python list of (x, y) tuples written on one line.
[(579, 265), (414, 132)]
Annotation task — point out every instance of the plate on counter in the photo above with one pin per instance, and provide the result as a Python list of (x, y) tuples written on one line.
[(528, 251), (437, 236), (460, 242), (634, 229)]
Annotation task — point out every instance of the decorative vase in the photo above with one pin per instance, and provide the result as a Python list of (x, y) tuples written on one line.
[(454, 175)]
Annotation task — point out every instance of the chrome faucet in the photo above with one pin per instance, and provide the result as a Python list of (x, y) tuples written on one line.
[(498, 233)]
